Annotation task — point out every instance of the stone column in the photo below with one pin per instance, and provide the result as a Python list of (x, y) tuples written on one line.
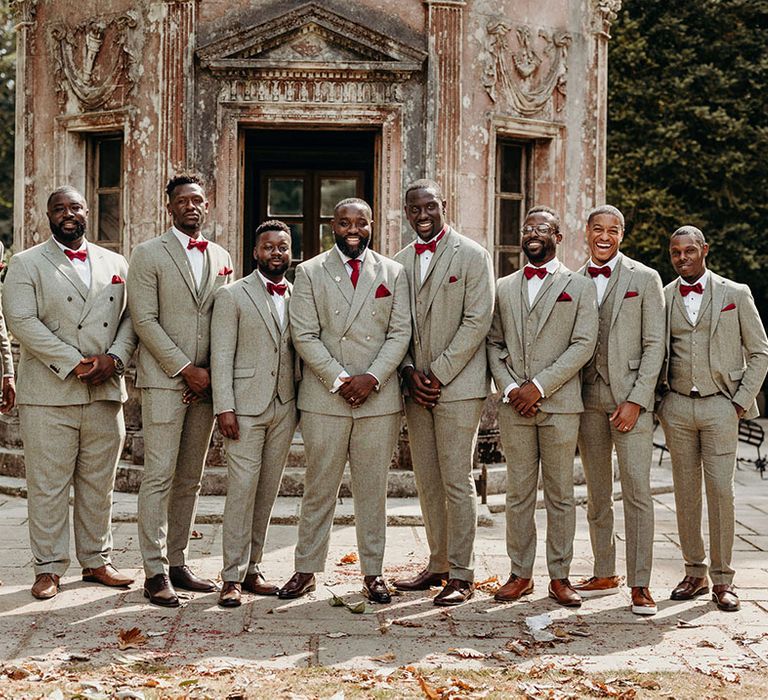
[(445, 29), (605, 12), (23, 190)]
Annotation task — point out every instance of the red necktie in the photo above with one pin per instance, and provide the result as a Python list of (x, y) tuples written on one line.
[(596, 271), (277, 288), (76, 254), (686, 289), (530, 271), (431, 246), (201, 244), (354, 263)]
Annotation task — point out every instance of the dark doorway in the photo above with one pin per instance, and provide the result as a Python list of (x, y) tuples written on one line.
[(297, 176)]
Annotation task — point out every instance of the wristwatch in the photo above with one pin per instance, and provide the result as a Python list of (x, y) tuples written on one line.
[(119, 366)]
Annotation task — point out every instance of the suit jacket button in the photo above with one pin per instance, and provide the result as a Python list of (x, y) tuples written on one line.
[(105, 324), (69, 298), (79, 327), (111, 298)]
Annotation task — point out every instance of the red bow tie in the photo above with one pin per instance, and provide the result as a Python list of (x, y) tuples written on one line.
[(201, 244), (276, 288), (76, 254), (686, 289), (431, 246), (596, 271), (530, 271)]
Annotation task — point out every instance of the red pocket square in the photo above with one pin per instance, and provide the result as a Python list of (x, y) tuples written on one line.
[(382, 291), (453, 279), (730, 307), (630, 294), (116, 279), (564, 297), (225, 271)]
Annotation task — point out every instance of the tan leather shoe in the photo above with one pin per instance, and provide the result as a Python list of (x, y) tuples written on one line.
[(642, 601), (255, 583), (160, 591), (725, 598), (689, 588), (45, 586), (561, 591), (455, 592), (230, 594), (422, 581), (298, 585), (597, 586), (183, 577), (514, 589), (107, 575)]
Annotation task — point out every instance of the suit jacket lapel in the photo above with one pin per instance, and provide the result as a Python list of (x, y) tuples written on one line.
[(559, 282), (625, 270), (438, 266), (517, 291), (179, 258), (210, 271), (63, 265), (337, 270), (100, 277), (257, 292), (369, 273), (718, 299), (677, 299)]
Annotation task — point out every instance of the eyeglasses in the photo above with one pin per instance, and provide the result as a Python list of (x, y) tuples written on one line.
[(543, 229)]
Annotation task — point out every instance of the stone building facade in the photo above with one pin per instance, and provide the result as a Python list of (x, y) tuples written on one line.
[(285, 106)]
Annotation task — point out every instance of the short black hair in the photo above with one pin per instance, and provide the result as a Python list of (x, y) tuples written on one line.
[(690, 231), (183, 179), (606, 209), (425, 184), (353, 200), (541, 209), (270, 225), (61, 190)]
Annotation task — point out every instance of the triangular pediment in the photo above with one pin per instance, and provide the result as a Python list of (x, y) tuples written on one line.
[(310, 36)]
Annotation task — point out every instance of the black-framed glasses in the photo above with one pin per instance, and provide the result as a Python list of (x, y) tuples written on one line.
[(543, 229)]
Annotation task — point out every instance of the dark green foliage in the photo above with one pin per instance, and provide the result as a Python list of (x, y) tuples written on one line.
[(688, 131), (7, 101)]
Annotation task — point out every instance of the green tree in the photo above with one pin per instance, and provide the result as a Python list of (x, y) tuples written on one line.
[(7, 102), (688, 131)]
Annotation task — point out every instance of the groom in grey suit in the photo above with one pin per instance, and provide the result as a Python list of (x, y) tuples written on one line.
[(618, 386), (350, 325), (171, 286), (65, 303)]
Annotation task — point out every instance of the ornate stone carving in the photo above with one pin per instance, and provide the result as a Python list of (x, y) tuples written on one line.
[(24, 10), (94, 76), (535, 74), (606, 12)]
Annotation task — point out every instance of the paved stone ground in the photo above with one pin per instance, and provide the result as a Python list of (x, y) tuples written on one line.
[(84, 620)]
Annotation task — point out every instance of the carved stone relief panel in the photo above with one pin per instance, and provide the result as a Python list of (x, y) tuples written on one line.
[(96, 60), (523, 71)]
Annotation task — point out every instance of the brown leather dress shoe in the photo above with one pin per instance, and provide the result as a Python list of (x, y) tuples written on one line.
[(107, 575), (376, 590), (230, 594), (724, 596), (597, 586), (160, 591), (561, 591), (455, 592), (513, 589), (642, 601), (689, 588), (423, 581), (45, 586), (298, 585), (182, 577), (255, 583)]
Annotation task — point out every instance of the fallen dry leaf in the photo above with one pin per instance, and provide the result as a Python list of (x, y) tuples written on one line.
[(684, 624), (350, 558), (384, 658), (407, 623), (489, 585), (709, 645), (130, 639), (428, 690), (195, 535), (518, 646), (466, 653), (579, 633)]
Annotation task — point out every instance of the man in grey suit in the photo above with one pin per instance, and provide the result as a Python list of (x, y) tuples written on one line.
[(618, 386), (350, 325), (253, 380), (171, 286), (65, 303), (445, 381), (544, 331), (716, 361)]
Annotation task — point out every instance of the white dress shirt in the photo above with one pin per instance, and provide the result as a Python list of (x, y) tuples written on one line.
[(601, 281), (692, 301), (82, 267), (426, 257), (195, 256), (277, 299)]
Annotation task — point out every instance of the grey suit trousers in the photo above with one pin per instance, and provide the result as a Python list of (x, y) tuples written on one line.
[(702, 436), (549, 439), (328, 442), (634, 450), (71, 445), (442, 444), (255, 465), (176, 438)]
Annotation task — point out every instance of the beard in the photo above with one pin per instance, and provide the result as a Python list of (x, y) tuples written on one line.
[(68, 236), (537, 256), (266, 268), (351, 252)]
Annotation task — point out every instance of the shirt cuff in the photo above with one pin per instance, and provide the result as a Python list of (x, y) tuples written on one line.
[(378, 383), (538, 386), (228, 410), (507, 389), (337, 384), (181, 370)]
